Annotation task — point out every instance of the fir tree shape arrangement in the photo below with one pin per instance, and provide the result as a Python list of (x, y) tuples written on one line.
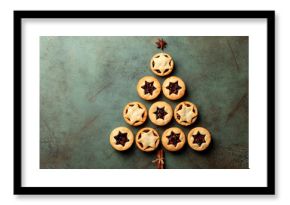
[(160, 113)]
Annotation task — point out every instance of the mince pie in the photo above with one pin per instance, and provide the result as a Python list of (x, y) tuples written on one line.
[(135, 113), (147, 139), (148, 88), (121, 138), (160, 113), (185, 113), (199, 138), (173, 88), (161, 64), (173, 139)]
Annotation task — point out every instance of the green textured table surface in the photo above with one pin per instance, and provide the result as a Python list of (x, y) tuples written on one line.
[(85, 82)]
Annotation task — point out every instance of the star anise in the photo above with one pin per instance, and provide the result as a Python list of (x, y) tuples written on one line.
[(198, 139), (161, 44)]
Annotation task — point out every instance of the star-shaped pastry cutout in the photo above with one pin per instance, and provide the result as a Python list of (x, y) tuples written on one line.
[(134, 113), (173, 138), (162, 63), (161, 43), (186, 113), (160, 113), (198, 138), (173, 88), (148, 139), (121, 138), (148, 87)]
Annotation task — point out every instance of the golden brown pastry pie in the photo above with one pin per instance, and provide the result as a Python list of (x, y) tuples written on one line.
[(173, 88), (160, 113), (199, 138), (185, 113), (147, 139), (148, 88), (135, 113), (161, 64), (173, 139), (121, 138)]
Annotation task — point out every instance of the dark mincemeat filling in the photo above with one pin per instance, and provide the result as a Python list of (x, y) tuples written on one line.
[(198, 139), (148, 88), (173, 138), (173, 88), (121, 138), (160, 113)]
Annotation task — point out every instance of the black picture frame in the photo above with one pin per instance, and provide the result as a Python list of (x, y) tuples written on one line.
[(269, 189)]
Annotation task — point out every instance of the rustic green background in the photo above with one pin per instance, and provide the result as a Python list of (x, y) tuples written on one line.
[(85, 82)]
